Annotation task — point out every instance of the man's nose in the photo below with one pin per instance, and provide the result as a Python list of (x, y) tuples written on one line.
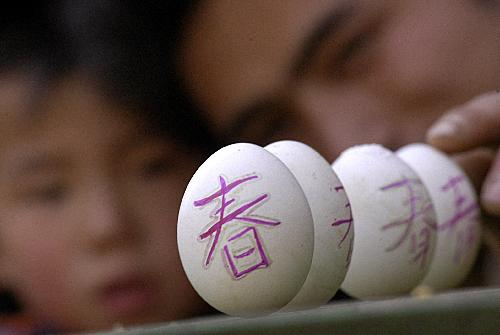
[(108, 219)]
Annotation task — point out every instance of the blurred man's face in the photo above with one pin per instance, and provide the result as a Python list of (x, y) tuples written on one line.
[(336, 73)]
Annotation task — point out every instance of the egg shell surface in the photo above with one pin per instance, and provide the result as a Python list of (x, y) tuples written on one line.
[(333, 232), (245, 231), (393, 216), (457, 210)]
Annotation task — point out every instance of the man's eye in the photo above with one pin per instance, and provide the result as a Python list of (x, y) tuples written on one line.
[(355, 45), (354, 57)]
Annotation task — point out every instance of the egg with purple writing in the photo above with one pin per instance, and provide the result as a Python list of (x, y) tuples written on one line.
[(245, 231), (333, 232), (393, 216), (458, 215)]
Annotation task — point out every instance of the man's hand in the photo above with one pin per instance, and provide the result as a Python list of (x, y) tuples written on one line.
[(472, 132)]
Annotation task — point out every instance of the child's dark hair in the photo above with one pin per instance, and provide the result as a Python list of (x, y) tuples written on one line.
[(125, 46)]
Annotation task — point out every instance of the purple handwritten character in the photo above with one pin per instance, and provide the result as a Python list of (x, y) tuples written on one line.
[(421, 247), (463, 207), (420, 207), (345, 221), (466, 211), (244, 252), (236, 258), (466, 239)]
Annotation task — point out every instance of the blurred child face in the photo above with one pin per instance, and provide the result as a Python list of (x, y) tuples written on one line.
[(88, 210), (336, 73)]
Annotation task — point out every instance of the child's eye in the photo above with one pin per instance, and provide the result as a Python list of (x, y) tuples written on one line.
[(260, 122), (155, 167), (46, 194)]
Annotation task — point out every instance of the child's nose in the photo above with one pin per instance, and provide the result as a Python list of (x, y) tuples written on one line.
[(108, 220)]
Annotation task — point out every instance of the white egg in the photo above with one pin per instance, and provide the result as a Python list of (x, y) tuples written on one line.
[(393, 219), (245, 231), (333, 232), (457, 210)]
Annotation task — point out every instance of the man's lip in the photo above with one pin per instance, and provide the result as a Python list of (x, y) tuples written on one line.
[(128, 296)]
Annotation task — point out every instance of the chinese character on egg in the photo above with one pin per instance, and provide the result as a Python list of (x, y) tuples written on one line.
[(463, 219), (419, 207), (345, 221), (243, 251)]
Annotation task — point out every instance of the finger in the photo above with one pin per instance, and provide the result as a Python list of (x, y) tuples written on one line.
[(490, 194), (477, 123), (476, 164)]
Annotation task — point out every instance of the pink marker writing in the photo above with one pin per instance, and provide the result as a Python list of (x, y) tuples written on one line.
[(420, 208), (464, 218), (345, 221), (244, 251)]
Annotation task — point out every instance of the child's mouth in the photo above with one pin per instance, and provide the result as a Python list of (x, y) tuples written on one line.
[(128, 297)]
